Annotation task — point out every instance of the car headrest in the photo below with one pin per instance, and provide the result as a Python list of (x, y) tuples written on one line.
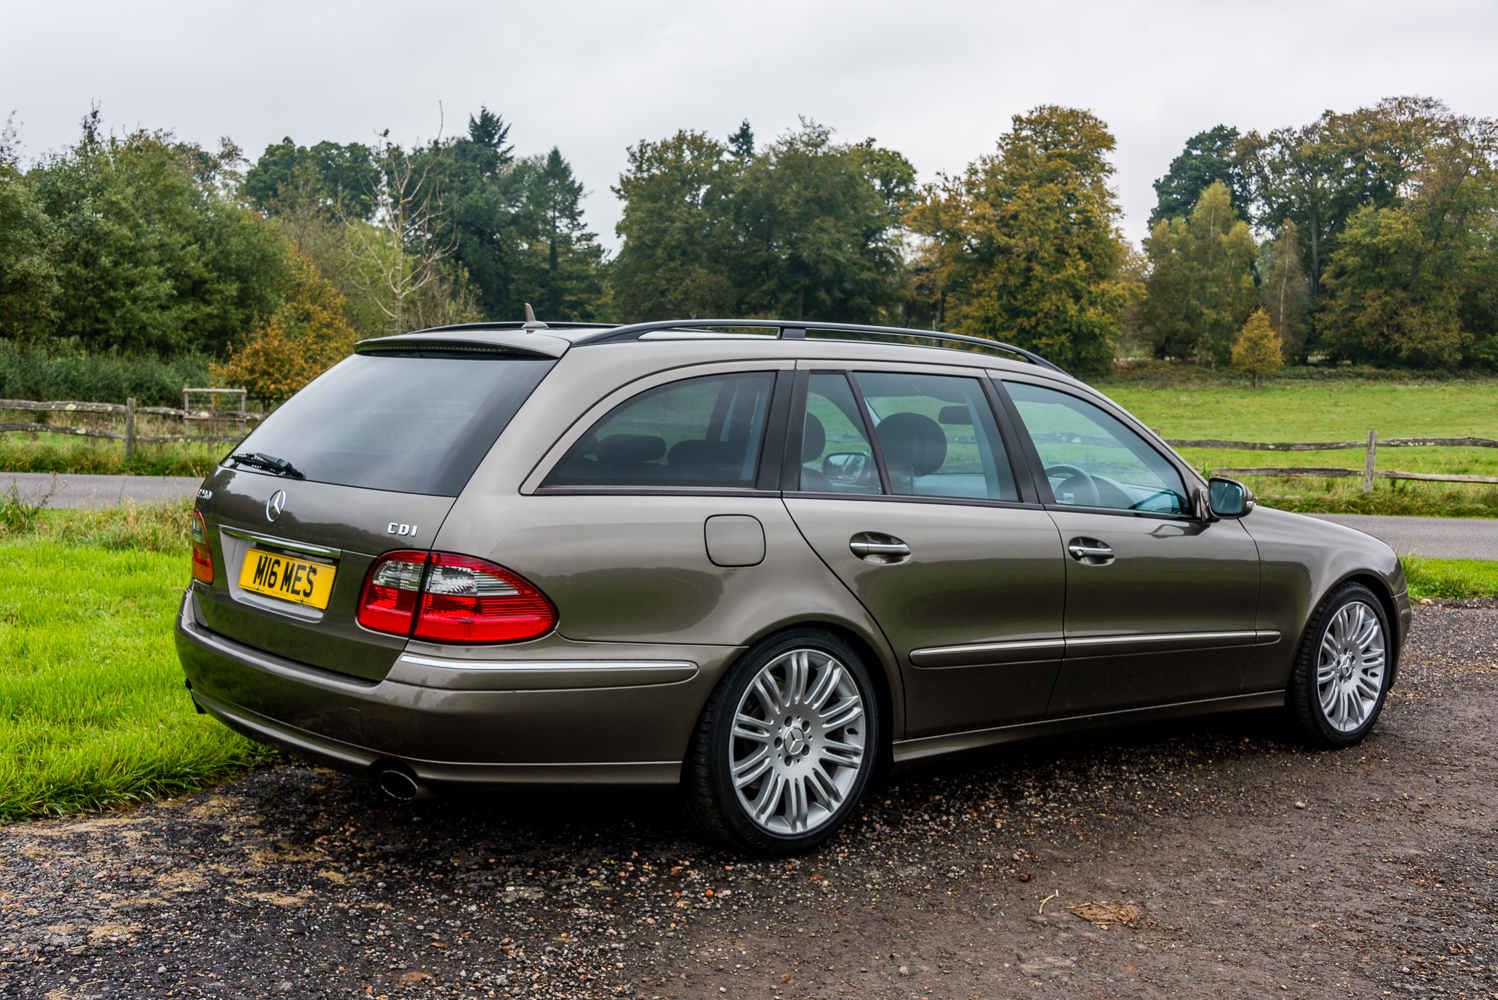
[(955, 415), (913, 444), (814, 441), (630, 449)]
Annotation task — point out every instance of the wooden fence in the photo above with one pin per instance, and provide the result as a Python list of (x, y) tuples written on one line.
[(1370, 454), (129, 411)]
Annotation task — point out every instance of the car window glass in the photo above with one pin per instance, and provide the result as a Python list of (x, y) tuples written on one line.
[(938, 436), (1092, 459), (701, 432), (835, 452)]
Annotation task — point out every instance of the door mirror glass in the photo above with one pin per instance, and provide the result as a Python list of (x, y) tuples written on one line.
[(1229, 498), (845, 467)]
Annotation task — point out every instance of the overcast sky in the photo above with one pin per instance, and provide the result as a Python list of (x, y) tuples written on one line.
[(937, 81)]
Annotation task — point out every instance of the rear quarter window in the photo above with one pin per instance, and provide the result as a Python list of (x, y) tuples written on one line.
[(402, 424)]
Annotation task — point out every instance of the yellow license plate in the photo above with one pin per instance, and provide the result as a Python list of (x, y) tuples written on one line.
[(300, 580)]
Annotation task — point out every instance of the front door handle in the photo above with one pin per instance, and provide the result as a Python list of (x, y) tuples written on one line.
[(871, 546), (1090, 551)]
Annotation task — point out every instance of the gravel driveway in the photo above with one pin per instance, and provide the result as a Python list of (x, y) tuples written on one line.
[(1237, 865)]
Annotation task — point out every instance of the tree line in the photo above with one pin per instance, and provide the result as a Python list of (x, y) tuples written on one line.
[(1366, 236)]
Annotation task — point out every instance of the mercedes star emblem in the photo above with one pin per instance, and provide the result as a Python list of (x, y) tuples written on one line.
[(275, 505)]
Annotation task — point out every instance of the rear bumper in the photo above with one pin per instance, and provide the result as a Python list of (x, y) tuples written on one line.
[(580, 720)]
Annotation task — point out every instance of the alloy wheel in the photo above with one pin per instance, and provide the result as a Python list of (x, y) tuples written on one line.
[(1350, 666), (797, 743)]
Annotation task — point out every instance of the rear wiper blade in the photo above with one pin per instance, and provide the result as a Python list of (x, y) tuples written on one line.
[(269, 463)]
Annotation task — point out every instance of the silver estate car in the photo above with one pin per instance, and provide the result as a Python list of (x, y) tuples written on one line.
[(757, 560)]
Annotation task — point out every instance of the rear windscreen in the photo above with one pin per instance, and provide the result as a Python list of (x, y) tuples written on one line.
[(404, 424)]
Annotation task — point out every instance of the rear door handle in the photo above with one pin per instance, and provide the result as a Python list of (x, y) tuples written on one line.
[(1090, 551), (871, 546)]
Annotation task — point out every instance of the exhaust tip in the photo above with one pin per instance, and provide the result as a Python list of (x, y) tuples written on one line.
[(400, 785)]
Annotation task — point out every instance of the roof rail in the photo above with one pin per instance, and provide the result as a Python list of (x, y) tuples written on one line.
[(796, 330), (508, 325)]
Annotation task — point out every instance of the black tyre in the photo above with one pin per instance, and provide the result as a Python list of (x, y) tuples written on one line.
[(1342, 670), (785, 746)]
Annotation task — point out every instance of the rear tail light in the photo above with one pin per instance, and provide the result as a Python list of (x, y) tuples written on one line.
[(202, 557), (388, 603), (452, 598)]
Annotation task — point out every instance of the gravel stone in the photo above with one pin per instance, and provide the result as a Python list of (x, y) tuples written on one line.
[(298, 881)]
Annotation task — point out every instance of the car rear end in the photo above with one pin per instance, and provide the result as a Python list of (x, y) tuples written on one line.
[(313, 564)]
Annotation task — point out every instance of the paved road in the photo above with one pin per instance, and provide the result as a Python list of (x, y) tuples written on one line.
[(100, 491), (1432, 537)]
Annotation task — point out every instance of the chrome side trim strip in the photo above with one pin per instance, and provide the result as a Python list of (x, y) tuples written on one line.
[(454, 674), (1032, 650), (989, 653), (560, 666), (281, 543), (931, 746)]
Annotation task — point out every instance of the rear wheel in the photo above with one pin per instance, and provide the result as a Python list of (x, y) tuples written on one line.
[(785, 746), (1341, 674)]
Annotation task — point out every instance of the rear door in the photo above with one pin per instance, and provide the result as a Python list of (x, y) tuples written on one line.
[(1160, 606), (368, 458), (905, 488)]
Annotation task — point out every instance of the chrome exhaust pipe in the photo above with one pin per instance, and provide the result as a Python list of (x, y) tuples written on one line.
[(401, 786)]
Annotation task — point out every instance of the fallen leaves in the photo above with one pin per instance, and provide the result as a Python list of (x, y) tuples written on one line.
[(1103, 914)]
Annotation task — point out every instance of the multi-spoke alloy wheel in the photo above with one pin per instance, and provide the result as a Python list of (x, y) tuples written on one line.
[(1350, 673), (1342, 672), (785, 746)]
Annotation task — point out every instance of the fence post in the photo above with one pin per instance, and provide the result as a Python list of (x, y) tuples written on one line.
[(129, 428), (1368, 461)]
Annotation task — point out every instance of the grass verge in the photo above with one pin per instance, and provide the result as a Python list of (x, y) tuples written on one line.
[(92, 708), (68, 455), (1452, 578)]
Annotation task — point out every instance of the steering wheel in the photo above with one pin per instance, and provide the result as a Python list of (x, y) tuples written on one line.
[(1087, 498)]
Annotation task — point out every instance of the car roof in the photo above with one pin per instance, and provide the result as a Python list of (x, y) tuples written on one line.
[(793, 337)]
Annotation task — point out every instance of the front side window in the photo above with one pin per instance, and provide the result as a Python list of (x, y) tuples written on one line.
[(938, 436), (698, 433), (1092, 459)]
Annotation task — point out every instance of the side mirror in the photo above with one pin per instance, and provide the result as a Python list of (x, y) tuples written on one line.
[(845, 466), (1228, 498)]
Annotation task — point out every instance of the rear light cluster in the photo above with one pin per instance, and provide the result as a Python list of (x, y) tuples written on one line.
[(202, 557), (441, 597)]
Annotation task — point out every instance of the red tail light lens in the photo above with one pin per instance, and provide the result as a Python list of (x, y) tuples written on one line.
[(471, 600), (452, 598), (388, 603), (202, 557)]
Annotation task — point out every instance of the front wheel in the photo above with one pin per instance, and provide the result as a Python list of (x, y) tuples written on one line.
[(1341, 674), (785, 746)]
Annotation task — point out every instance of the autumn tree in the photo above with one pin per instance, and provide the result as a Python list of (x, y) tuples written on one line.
[(302, 339), (1413, 282), (1257, 351), (1200, 288), (1024, 246), (1283, 289)]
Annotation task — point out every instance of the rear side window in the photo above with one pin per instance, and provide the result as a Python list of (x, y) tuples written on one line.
[(700, 432), (404, 424)]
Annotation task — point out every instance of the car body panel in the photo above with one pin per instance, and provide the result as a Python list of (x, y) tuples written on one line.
[(655, 603), (1168, 577), (978, 575)]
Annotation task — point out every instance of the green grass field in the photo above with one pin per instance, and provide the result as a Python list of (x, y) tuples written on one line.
[(93, 712), (92, 708), (1326, 410)]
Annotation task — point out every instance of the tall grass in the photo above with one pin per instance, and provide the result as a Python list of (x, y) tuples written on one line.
[(35, 373), (92, 707)]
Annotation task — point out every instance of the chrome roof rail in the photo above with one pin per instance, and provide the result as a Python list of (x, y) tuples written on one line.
[(796, 330)]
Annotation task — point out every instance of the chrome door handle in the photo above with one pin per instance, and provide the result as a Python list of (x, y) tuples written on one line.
[(1090, 551), (871, 546)]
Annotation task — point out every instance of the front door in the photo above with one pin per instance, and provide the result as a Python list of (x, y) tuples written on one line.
[(1160, 606), (924, 521)]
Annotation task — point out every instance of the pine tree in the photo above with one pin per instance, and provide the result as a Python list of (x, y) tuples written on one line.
[(741, 143), (1257, 351)]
